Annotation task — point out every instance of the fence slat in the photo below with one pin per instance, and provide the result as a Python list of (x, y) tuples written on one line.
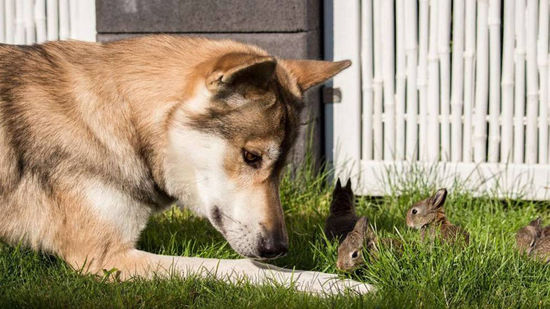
[(40, 20), (423, 77), (412, 91), (542, 52), (347, 114), (532, 83), (519, 90), (433, 86), (507, 83), (73, 17), (444, 32), (377, 84), (547, 106), (2, 22), (28, 8), (19, 23), (86, 21), (64, 19), (388, 67), (10, 21), (469, 53), (366, 74), (494, 79), (457, 80), (400, 80), (482, 78), (53, 20)]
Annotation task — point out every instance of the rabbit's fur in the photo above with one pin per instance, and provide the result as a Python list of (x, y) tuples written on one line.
[(350, 251), (429, 216), (534, 240), (342, 217), (527, 236)]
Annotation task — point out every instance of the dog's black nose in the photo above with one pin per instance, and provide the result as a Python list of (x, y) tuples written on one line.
[(271, 249)]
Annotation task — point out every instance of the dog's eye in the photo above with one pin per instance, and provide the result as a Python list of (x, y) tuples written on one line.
[(354, 255), (252, 159), (414, 211)]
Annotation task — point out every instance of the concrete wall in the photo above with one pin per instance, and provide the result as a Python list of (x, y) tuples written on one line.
[(285, 28)]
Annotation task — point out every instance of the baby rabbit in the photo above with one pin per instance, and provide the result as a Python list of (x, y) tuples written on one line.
[(350, 251), (534, 240), (342, 217), (527, 236), (541, 250), (428, 215)]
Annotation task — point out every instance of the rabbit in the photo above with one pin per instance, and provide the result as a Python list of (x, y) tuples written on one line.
[(527, 236), (541, 249), (534, 240), (342, 217), (429, 215), (350, 251)]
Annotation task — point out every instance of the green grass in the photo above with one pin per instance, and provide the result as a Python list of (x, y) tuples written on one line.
[(487, 273)]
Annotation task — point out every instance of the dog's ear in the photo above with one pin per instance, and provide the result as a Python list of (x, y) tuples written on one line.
[(309, 73), (231, 69)]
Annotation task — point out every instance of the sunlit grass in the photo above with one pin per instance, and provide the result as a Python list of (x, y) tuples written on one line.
[(488, 272)]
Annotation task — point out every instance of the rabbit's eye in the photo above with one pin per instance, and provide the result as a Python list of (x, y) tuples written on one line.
[(354, 255), (414, 211)]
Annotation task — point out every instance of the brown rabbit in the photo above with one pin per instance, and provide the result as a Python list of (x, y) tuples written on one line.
[(350, 251), (534, 240), (541, 250), (429, 215), (527, 236), (342, 217)]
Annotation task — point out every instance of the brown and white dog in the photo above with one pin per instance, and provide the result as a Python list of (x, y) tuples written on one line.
[(95, 138)]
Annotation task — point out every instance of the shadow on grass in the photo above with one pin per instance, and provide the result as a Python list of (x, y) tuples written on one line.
[(178, 232)]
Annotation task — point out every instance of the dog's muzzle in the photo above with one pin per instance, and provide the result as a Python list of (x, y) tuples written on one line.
[(273, 247)]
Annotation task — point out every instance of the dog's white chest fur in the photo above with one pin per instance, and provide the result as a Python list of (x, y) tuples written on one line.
[(116, 208)]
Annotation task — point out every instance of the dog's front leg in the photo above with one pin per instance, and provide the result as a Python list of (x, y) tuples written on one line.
[(144, 264), (309, 281)]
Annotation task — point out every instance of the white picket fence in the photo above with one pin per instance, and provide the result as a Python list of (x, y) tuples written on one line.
[(36, 21), (435, 85)]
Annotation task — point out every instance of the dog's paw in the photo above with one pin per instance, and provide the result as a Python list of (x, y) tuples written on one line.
[(329, 284), (338, 286), (305, 281)]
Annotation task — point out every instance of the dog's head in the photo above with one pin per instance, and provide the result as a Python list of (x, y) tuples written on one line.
[(229, 141)]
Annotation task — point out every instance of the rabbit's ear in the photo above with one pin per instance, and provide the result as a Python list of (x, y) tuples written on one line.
[(439, 198), (371, 245), (536, 223), (338, 184), (361, 226), (370, 233), (348, 184)]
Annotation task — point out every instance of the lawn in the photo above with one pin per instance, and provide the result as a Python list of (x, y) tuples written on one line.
[(488, 273)]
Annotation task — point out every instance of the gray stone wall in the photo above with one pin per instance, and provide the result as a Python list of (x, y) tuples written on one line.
[(285, 28)]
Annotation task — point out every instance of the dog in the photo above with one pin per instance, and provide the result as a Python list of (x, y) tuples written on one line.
[(97, 137)]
